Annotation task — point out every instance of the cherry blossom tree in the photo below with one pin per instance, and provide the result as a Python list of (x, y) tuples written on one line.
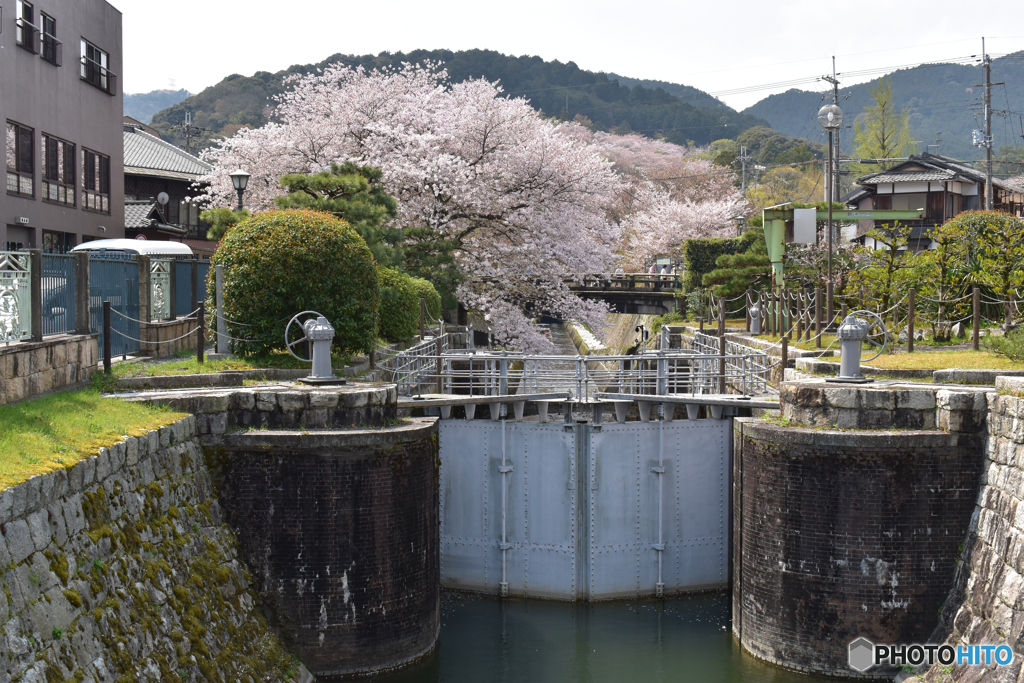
[(523, 202)]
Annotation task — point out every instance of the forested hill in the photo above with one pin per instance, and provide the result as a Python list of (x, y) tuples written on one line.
[(942, 98), (685, 93), (557, 89)]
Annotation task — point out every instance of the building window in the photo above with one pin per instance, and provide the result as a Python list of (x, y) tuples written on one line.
[(20, 153), (95, 181), (58, 170), (51, 47), (55, 242), (95, 68), (27, 33)]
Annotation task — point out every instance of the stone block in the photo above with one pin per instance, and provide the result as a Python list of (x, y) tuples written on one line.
[(165, 436), (877, 399), (214, 404), (131, 451), (181, 431), (846, 418), (116, 454), (841, 397), (153, 442), (875, 419), (956, 400), (102, 465), (218, 423), (354, 399), (315, 418), (60, 485), (292, 401), (266, 401), (6, 503), (58, 528), (16, 389), (915, 399), (32, 493), (19, 540), (243, 400), (19, 500), (39, 527), (323, 399)]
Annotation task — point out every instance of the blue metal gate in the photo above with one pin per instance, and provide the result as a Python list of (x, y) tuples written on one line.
[(58, 294), (115, 280), (586, 512)]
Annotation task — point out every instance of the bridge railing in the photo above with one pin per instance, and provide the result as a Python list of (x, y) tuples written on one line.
[(424, 369), (611, 282)]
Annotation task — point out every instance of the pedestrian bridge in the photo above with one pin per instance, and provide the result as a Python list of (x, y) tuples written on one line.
[(646, 293)]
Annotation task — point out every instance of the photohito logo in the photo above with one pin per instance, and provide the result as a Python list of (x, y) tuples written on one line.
[(864, 654)]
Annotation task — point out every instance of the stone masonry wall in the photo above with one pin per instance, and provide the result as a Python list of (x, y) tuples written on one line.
[(986, 605), (122, 569), (30, 369), (839, 535)]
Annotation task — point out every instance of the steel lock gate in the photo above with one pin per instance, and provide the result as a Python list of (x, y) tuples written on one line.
[(590, 511)]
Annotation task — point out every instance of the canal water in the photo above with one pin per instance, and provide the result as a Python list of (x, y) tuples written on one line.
[(678, 640)]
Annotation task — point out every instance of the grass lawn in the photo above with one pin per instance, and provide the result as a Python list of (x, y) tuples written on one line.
[(940, 360), (56, 431), (185, 364), (826, 339)]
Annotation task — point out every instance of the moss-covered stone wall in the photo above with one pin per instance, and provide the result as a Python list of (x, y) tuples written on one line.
[(122, 569)]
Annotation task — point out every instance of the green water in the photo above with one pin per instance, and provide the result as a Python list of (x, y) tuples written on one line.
[(679, 640)]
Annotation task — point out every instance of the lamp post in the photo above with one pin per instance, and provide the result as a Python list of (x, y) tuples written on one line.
[(830, 117), (740, 223), (239, 179)]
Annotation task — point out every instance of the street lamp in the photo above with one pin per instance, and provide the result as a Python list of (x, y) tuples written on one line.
[(239, 179), (740, 223), (831, 118)]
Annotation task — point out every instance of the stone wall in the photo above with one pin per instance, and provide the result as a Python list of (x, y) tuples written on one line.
[(121, 568), (167, 337), (986, 605), (32, 368), (284, 406), (839, 535)]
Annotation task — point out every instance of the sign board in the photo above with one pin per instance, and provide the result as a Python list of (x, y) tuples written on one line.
[(805, 227)]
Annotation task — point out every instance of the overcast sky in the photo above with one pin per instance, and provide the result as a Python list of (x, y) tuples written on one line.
[(714, 46)]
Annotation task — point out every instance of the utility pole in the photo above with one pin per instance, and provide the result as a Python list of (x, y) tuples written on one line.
[(831, 118), (744, 158), (188, 130), (988, 126)]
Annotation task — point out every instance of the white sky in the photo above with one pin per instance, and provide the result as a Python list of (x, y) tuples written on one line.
[(714, 46)]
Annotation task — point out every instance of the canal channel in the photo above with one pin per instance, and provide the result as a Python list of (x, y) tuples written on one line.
[(676, 640)]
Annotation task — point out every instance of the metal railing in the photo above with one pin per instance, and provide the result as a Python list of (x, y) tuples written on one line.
[(424, 369), (646, 282), (58, 280), (752, 366)]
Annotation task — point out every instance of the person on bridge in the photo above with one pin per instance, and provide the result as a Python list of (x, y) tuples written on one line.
[(653, 270)]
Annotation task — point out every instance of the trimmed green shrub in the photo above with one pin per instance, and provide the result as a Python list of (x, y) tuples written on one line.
[(279, 263), (399, 305), (429, 294), (700, 255)]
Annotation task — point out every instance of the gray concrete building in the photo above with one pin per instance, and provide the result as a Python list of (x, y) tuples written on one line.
[(61, 107)]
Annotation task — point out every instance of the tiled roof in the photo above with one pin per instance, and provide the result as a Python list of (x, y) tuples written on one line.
[(910, 177), (145, 154), (138, 214)]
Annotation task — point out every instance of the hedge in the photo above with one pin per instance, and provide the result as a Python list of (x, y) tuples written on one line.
[(279, 263), (428, 293), (699, 255), (399, 305)]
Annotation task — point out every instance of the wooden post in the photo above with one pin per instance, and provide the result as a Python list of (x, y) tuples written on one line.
[(775, 313), (910, 321), (829, 310), (423, 319), (785, 360), (977, 317), (842, 313), (799, 321), (817, 315), (83, 325), (807, 315), (750, 297), (201, 334), (106, 336)]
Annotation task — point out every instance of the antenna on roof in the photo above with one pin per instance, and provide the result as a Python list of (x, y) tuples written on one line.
[(188, 131)]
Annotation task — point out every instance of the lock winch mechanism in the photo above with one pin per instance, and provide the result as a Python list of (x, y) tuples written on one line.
[(316, 331)]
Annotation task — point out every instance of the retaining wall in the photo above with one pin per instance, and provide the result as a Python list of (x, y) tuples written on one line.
[(156, 337), (31, 368), (122, 568), (986, 605)]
